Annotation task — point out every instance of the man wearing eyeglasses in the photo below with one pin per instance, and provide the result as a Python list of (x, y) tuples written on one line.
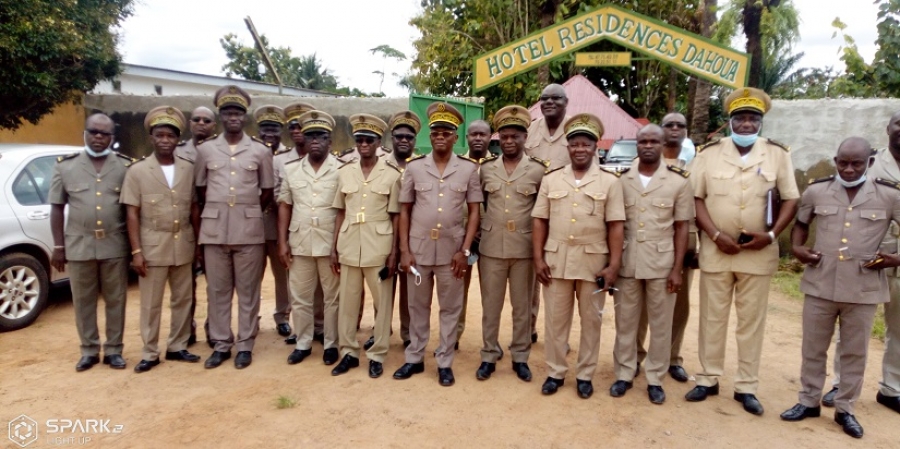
[(435, 190), (367, 131), (732, 179), (235, 177), (547, 142), (93, 241)]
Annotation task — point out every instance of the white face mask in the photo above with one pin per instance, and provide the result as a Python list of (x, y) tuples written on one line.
[(742, 140), (852, 184), (93, 153)]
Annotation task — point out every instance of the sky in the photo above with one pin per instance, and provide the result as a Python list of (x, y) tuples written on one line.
[(184, 34)]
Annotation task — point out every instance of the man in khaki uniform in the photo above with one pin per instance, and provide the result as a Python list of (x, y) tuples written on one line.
[(92, 240), (841, 280), (404, 126), (510, 183), (305, 228), (270, 121), (731, 179), (368, 131), (659, 204), (435, 190), (578, 238), (233, 173), (365, 249), (162, 237), (547, 142)]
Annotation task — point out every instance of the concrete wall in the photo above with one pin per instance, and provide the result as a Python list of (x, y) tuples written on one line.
[(63, 126)]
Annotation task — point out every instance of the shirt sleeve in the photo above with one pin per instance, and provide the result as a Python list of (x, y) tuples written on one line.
[(615, 202), (787, 184), (542, 203), (200, 168), (407, 187), (266, 170), (394, 199), (805, 213), (57, 193), (474, 193), (131, 190), (684, 202), (338, 202), (698, 176), (284, 192)]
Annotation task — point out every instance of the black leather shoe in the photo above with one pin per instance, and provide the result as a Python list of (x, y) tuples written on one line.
[(656, 394), (849, 423), (501, 355), (216, 359), (210, 343), (406, 343), (243, 359), (828, 399), (115, 361), (800, 412), (534, 337), (375, 369), (456, 346), (319, 337), (408, 369), (619, 387), (330, 356), (889, 402), (699, 393), (292, 340), (678, 373), (369, 343), (551, 385), (297, 355), (346, 363), (445, 377), (522, 371), (86, 362), (284, 329), (637, 371), (145, 365), (183, 356), (192, 340), (585, 388), (751, 404), (485, 370)]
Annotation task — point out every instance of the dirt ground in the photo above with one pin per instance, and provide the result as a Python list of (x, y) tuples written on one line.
[(185, 405)]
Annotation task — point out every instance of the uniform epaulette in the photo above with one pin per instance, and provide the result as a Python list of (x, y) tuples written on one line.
[(179, 156), (283, 150), (346, 164), (546, 164), (616, 171), (142, 159), (492, 157), (295, 160), (386, 150), (780, 145), (466, 158), (551, 170), (414, 158), (390, 162), (128, 159), (887, 182), (347, 151), (68, 156), (817, 180), (711, 143), (260, 141), (680, 171), (208, 138)]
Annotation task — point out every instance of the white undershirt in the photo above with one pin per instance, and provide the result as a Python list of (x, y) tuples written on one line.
[(169, 173), (645, 179), (577, 182), (744, 157)]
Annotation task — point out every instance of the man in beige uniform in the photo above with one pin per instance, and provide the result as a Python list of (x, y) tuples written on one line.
[(547, 142), (731, 179), (510, 183), (659, 204), (305, 235), (578, 238), (162, 236), (233, 173), (270, 122), (365, 250), (92, 240), (435, 190), (367, 131)]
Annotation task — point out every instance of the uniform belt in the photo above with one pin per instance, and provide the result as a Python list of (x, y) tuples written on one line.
[(573, 239), (233, 199), (846, 254), (362, 217), (641, 235)]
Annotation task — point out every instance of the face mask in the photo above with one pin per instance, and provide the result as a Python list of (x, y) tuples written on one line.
[(852, 184), (743, 140), (93, 153)]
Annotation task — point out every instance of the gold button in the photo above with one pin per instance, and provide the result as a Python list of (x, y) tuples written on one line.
[(231, 205), (98, 193), (176, 222), (573, 220), (442, 180), (508, 182), (365, 183), (233, 158), (173, 191), (362, 208), (643, 194), (231, 188), (642, 209), (576, 189), (232, 173), (315, 180), (574, 204), (507, 196), (176, 236), (99, 222), (571, 237), (98, 207), (844, 240), (440, 194), (743, 207), (850, 208), (506, 210), (365, 195), (439, 225), (745, 187), (174, 205), (641, 225), (840, 257), (99, 180), (440, 209), (312, 208), (847, 224), (315, 194), (873, 215)]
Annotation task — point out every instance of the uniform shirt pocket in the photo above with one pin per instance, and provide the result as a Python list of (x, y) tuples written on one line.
[(423, 186), (349, 188), (665, 246), (873, 221), (250, 172), (527, 189), (721, 183), (152, 203), (663, 206), (76, 188), (491, 187), (599, 200), (826, 217), (253, 212), (768, 178)]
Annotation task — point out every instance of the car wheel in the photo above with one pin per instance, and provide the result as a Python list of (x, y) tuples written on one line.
[(24, 288)]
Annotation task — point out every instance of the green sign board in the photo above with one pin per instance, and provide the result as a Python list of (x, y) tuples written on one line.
[(470, 111)]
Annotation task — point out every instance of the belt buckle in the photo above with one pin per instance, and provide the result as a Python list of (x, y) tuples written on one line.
[(841, 255), (232, 199), (176, 226), (361, 217), (641, 236), (99, 234), (435, 234), (511, 225), (315, 221)]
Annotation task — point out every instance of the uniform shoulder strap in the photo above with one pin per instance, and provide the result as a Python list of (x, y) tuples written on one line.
[(779, 145), (467, 158), (546, 164), (492, 157), (887, 182), (347, 164), (390, 163), (823, 179), (67, 156), (295, 160), (414, 158), (709, 144), (549, 170), (615, 171), (680, 171), (180, 156), (128, 160)]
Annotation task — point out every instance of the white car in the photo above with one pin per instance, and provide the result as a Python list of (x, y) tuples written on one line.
[(26, 242)]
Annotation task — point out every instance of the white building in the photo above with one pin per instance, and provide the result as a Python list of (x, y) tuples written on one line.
[(148, 81)]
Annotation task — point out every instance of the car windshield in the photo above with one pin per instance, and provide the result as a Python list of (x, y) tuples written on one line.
[(623, 150)]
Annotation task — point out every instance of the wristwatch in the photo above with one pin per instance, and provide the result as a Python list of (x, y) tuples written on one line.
[(466, 253), (772, 236)]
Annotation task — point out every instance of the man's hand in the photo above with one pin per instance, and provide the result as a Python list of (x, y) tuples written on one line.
[(199, 261), (609, 274), (139, 264), (335, 262), (58, 259), (284, 254), (760, 241), (406, 260), (806, 255), (391, 263), (727, 245), (459, 265), (890, 261), (673, 282), (542, 270)]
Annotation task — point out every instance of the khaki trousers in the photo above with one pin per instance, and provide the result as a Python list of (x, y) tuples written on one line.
[(282, 313), (309, 275), (750, 294), (633, 297), (89, 279), (230, 269), (153, 288), (559, 304), (398, 285), (494, 274), (450, 296), (467, 281), (680, 315), (351, 281), (535, 306), (819, 317)]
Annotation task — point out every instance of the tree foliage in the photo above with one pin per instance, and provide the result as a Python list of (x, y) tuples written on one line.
[(51, 51)]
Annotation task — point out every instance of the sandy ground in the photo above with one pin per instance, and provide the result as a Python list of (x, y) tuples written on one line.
[(185, 405)]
